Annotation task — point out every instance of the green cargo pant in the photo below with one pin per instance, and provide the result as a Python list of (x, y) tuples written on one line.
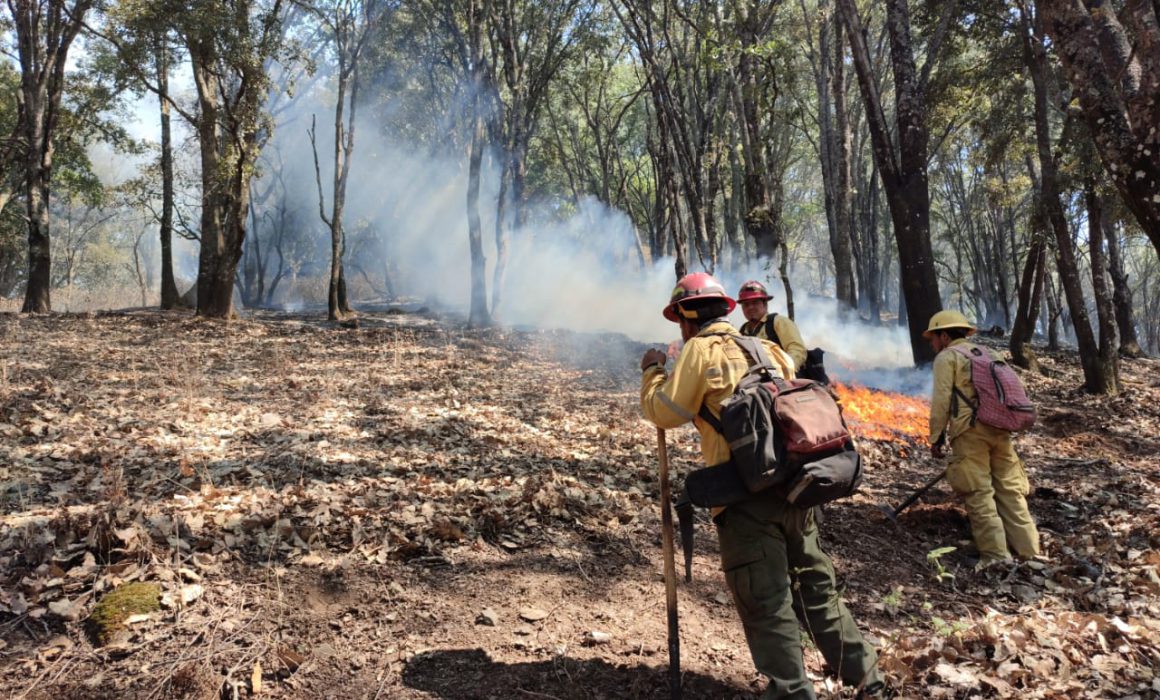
[(987, 473), (779, 575)]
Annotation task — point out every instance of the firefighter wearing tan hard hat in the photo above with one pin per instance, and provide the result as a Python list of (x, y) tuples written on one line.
[(984, 468), (754, 300), (769, 548)]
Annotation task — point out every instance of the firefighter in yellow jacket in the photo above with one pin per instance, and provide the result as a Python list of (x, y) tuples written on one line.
[(779, 328), (769, 548), (984, 468)]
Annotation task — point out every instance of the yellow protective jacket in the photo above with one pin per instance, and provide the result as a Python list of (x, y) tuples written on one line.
[(950, 410), (706, 372), (788, 336)]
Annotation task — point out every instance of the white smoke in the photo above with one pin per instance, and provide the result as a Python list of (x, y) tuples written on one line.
[(580, 272)]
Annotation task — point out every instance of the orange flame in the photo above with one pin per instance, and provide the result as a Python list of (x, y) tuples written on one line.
[(883, 415)]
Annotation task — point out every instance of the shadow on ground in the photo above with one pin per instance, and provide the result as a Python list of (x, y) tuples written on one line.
[(469, 674)]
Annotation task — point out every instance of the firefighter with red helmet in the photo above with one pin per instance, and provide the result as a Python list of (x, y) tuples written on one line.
[(754, 300), (770, 554)]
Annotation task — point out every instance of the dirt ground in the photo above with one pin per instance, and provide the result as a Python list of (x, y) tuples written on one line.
[(411, 509)]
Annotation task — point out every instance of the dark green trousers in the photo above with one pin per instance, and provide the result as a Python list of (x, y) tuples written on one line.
[(779, 576)]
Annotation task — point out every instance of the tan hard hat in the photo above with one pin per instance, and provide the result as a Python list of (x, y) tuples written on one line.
[(947, 319)]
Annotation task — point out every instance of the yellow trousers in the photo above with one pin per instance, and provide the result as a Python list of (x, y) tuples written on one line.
[(985, 470)]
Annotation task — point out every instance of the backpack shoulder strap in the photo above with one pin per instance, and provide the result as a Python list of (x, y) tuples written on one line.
[(770, 331), (759, 362), (758, 358), (967, 351)]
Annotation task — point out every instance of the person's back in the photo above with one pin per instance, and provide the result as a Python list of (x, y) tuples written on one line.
[(984, 468), (763, 539)]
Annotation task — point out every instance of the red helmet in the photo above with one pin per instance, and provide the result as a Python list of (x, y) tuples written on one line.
[(698, 285), (753, 290)]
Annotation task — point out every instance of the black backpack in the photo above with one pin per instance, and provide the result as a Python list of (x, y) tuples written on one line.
[(814, 367), (783, 434)]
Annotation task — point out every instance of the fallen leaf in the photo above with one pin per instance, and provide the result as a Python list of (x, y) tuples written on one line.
[(256, 678), (533, 614), (65, 608), (290, 658)]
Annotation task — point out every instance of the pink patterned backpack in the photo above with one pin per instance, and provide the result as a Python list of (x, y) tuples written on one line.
[(1003, 402)]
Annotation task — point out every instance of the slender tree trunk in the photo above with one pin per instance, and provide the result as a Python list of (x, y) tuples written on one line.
[(501, 239), (170, 297), (783, 270), (1030, 291), (841, 237), (479, 315), (1121, 295), (1053, 312), (1109, 359)]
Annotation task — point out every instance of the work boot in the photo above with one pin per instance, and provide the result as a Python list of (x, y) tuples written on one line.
[(990, 563)]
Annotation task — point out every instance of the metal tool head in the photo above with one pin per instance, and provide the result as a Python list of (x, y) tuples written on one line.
[(890, 513)]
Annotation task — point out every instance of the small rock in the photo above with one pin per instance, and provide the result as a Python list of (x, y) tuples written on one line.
[(525, 630), (324, 651), (533, 614), (595, 637), (1027, 594), (487, 617), (722, 598)]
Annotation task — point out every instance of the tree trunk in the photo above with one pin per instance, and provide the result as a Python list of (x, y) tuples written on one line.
[(903, 171), (1095, 375), (1121, 295), (170, 297), (841, 236), (1053, 312), (1030, 292), (1117, 83), (758, 217), (1109, 358), (45, 30), (38, 294), (479, 315), (215, 273), (501, 239)]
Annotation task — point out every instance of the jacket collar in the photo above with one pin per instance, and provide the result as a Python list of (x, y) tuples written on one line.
[(717, 327)]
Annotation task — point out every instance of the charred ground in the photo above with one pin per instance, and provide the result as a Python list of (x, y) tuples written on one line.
[(411, 509)]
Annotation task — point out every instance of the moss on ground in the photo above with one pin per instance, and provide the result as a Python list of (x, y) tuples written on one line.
[(109, 615)]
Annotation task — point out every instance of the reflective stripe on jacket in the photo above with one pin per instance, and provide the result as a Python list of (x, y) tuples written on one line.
[(707, 370)]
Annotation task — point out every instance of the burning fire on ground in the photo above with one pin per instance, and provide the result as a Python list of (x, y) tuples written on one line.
[(872, 414), (882, 415)]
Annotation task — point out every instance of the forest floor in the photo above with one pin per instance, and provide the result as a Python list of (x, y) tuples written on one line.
[(411, 509)]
